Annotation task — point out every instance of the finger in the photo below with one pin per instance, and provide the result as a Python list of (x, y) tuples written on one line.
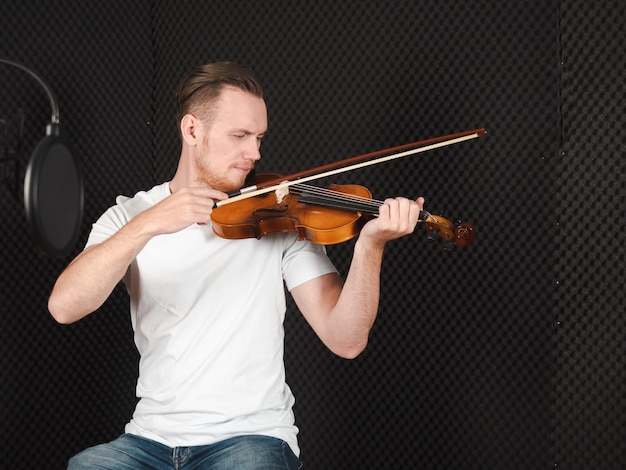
[(209, 193), (417, 207), (383, 211)]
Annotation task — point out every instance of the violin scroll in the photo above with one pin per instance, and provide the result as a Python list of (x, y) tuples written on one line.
[(462, 234)]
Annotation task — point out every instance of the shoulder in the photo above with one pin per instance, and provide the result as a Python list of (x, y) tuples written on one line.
[(141, 201), (115, 217)]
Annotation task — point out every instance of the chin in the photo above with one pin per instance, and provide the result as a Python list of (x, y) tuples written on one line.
[(230, 186), (241, 182)]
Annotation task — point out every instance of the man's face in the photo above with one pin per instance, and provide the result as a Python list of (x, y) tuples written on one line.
[(231, 140)]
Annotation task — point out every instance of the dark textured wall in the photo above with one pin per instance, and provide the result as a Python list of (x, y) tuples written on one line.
[(508, 354), (589, 285), (64, 388)]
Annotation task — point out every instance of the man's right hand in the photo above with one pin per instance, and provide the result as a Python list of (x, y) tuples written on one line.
[(183, 208)]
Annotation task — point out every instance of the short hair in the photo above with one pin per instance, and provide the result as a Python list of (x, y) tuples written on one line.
[(201, 88)]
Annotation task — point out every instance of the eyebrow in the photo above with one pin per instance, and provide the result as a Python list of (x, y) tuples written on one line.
[(243, 130)]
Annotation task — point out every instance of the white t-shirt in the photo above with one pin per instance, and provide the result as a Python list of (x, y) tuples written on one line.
[(208, 320)]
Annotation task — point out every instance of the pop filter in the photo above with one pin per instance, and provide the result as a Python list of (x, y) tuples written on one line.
[(53, 186), (53, 195)]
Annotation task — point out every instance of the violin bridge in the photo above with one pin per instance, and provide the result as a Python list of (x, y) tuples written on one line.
[(280, 193)]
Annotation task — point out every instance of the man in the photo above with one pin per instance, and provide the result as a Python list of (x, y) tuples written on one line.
[(208, 312)]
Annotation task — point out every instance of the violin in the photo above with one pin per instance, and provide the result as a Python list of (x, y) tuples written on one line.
[(275, 203), (325, 216)]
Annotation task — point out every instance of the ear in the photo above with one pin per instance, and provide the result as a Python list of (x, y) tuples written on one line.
[(190, 129)]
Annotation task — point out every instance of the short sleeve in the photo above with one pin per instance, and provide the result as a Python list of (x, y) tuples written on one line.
[(303, 261)]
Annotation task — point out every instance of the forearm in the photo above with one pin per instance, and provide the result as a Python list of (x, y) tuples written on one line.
[(91, 277), (354, 314)]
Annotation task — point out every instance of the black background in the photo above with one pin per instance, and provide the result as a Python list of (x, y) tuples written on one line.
[(505, 355)]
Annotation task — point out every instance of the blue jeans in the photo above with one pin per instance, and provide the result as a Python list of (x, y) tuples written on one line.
[(130, 452)]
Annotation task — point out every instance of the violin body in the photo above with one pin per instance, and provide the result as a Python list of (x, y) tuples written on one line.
[(258, 216)]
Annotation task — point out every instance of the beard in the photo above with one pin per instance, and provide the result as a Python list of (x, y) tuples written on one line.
[(208, 176)]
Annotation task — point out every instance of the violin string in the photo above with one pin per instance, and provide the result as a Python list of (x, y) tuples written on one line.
[(339, 198), (334, 193), (360, 202), (337, 195)]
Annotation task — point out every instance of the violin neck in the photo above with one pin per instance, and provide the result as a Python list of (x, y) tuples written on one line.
[(335, 200)]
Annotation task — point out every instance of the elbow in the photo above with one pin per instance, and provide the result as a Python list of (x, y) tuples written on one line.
[(59, 310), (351, 351)]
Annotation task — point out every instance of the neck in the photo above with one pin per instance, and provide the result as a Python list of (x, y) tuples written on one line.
[(184, 176)]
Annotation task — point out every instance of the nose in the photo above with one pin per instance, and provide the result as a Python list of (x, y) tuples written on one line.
[(254, 151)]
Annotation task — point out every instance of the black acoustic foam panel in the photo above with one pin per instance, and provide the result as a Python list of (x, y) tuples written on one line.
[(589, 299), (505, 355)]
